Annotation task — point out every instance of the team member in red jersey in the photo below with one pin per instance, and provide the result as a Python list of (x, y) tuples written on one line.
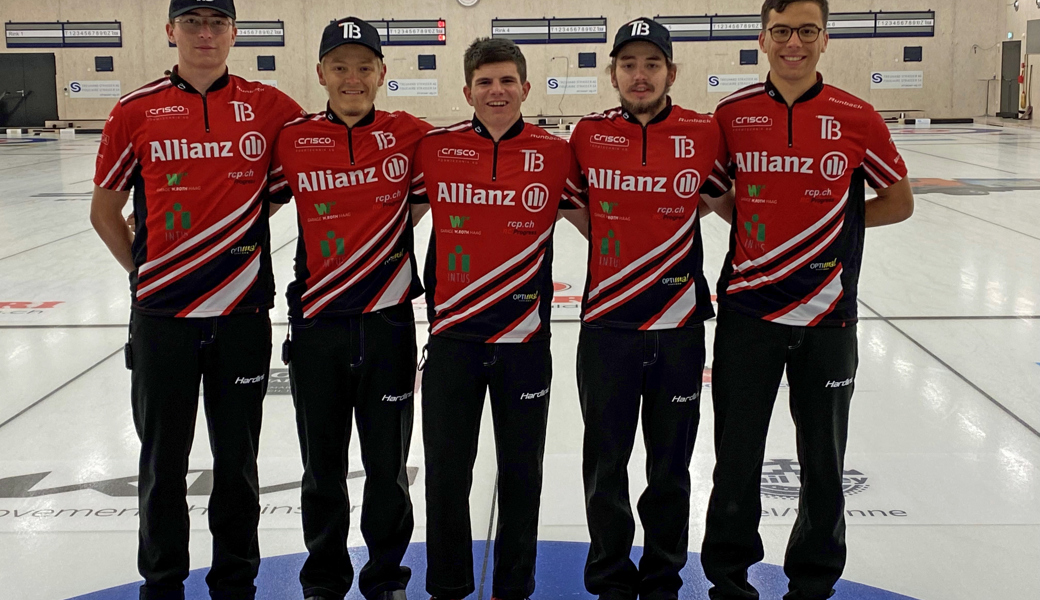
[(646, 300), (195, 148), (495, 186), (353, 330), (801, 151)]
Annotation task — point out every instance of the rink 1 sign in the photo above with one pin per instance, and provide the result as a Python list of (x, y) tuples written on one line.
[(412, 87), (728, 84), (897, 80), (95, 89), (558, 86)]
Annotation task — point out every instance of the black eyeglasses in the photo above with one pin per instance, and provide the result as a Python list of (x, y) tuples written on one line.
[(782, 33), (192, 24)]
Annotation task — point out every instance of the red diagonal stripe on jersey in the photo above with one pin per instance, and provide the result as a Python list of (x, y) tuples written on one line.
[(522, 329), (396, 289), (618, 298), (781, 271), (646, 258), (314, 307), (677, 311), (812, 309), (183, 270), (440, 325), (226, 296)]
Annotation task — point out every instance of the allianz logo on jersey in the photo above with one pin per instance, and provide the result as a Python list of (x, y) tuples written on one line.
[(534, 198), (251, 146), (456, 154), (315, 143), (833, 165), (318, 181), (686, 183), (612, 141)]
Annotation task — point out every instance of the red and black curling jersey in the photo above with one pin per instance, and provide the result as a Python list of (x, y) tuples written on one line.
[(489, 267), (797, 239), (198, 166), (644, 183), (355, 253)]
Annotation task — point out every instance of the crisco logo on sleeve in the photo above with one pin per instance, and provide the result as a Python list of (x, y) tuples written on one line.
[(458, 154)]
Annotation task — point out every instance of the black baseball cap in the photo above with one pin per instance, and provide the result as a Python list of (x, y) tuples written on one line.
[(644, 30), (350, 30), (179, 7)]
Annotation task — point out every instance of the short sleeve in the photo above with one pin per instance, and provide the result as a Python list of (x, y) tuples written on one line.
[(573, 195), (116, 161), (881, 160), (278, 189), (718, 183)]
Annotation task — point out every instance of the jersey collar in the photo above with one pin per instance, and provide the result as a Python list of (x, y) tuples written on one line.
[(364, 122), (812, 92), (659, 118), (514, 131), (220, 83)]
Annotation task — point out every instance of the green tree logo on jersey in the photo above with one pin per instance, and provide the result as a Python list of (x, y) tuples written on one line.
[(457, 261), (605, 245), (755, 231)]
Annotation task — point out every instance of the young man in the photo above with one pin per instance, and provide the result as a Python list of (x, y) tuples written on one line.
[(646, 300), (495, 186), (801, 151), (195, 148), (353, 330)]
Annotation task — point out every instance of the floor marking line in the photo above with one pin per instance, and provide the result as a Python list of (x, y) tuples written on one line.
[(47, 244), (487, 543), (957, 373), (61, 387), (962, 162), (979, 218), (42, 162)]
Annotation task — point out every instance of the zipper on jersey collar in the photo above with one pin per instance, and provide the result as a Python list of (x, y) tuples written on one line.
[(183, 85), (809, 94), (661, 116), (482, 131), (364, 122)]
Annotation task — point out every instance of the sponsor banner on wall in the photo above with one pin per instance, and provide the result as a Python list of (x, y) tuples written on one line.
[(897, 80), (412, 87), (557, 86), (730, 83), (95, 89)]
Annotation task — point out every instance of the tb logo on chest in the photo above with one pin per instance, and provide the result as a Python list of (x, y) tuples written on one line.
[(683, 146), (533, 161), (243, 112), (385, 139)]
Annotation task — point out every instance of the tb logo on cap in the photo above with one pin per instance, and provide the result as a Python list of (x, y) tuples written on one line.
[(640, 28), (351, 31)]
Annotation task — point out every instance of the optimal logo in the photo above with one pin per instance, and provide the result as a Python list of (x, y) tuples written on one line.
[(781, 478), (833, 166), (535, 197), (687, 183), (396, 167), (252, 146), (458, 154)]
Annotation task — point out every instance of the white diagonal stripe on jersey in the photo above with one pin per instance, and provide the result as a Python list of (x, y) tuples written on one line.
[(884, 165), (317, 305), (531, 322), (874, 177), (418, 177), (679, 311), (716, 181), (164, 83), (129, 172), (645, 258), (506, 289), (804, 313), (791, 243), (397, 291), (228, 242), (191, 242), (277, 171), (219, 303), (493, 274), (642, 284), (394, 221), (277, 186), (795, 264), (115, 169)]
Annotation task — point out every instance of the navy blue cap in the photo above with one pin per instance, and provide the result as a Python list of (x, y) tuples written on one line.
[(179, 7), (350, 30), (644, 29)]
